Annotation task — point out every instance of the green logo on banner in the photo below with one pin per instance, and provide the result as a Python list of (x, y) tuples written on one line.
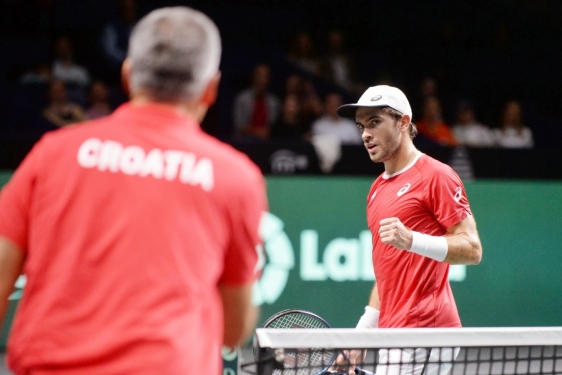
[(343, 259), (281, 260)]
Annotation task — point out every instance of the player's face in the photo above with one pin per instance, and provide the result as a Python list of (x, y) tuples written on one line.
[(380, 132)]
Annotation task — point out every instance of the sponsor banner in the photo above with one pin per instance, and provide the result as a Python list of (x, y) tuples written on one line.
[(318, 252)]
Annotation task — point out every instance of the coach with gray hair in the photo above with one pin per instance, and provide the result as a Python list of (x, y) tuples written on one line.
[(137, 232)]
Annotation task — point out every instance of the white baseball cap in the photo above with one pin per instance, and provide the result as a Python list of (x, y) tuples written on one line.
[(379, 96)]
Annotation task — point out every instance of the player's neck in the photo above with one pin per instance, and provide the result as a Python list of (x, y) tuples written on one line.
[(406, 155)]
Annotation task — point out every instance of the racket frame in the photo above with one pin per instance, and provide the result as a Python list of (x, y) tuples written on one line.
[(279, 315)]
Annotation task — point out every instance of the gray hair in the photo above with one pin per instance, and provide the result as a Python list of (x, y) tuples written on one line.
[(174, 53)]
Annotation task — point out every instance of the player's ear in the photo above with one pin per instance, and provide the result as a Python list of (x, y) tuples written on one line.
[(125, 76), (211, 91), (405, 122)]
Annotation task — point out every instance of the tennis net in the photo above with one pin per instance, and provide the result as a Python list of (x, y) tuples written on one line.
[(420, 351)]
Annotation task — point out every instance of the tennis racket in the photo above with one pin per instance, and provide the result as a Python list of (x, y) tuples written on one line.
[(316, 361)]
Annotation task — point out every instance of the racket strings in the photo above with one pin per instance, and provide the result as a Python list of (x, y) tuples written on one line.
[(303, 361), (297, 320)]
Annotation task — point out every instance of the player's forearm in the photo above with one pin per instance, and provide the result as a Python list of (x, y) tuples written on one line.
[(374, 300), (370, 318), (463, 249), (463, 243)]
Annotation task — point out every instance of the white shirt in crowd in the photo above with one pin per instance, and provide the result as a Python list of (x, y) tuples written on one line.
[(511, 138), (474, 134), (344, 129), (71, 74)]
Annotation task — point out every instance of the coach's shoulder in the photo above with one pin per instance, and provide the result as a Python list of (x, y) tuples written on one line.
[(61, 137), (233, 160)]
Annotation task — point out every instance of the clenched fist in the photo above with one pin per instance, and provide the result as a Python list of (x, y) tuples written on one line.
[(393, 232)]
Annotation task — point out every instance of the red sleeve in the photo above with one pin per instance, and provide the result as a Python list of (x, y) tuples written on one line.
[(446, 198), (15, 200), (242, 255)]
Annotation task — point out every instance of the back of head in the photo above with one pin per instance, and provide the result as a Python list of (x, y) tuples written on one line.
[(174, 53)]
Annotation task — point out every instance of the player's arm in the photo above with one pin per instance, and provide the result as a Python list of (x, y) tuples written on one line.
[(11, 263), (370, 318), (240, 315), (374, 300), (461, 244)]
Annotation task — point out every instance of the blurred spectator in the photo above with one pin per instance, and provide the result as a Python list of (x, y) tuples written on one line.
[(64, 67), (432, 125), (512, 132), (294, 85), (301, 53), (115, 35), (60, 111), (311, 106), (256, 109), (99, 101), (336, 66), (428, 88), (468, 131), (40, 73), (344, 129), (289, 125)]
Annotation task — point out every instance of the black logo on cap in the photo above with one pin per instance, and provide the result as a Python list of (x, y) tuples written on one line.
[(375, 98)]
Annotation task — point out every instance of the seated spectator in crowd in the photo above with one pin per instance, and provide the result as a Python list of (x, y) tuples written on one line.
[(301, 53), (289, 125), (60, 111), (512, 132), (256, 109), (99, 101), (64, 66), (39, 74), (115, 35), (311, 106), (432, 126), (336, 66), (428, 87), (344, 129), (468, 131)]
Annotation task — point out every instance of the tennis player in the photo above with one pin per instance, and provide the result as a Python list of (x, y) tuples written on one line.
[(421, 223), (137, 232)]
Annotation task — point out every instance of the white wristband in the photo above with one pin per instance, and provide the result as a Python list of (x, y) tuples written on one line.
[(370, 318), (434, 247)]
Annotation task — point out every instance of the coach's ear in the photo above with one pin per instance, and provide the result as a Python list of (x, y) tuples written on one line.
[(209, 96), (125, 76)]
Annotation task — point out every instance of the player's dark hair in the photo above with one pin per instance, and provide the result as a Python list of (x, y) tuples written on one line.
[(412, 129)]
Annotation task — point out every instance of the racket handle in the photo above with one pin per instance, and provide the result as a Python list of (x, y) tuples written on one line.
[(360, 371)]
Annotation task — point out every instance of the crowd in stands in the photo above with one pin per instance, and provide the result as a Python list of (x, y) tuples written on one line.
[(301, 113), (259, 113)]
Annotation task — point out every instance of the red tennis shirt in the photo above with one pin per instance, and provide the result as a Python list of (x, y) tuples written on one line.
[(129, 223), (428, 197)]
